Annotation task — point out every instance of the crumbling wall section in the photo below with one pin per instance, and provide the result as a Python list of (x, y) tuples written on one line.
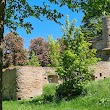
[(97, 43), (29, 82), (24, 82), (9, 83), (106, 32), (102, 70)]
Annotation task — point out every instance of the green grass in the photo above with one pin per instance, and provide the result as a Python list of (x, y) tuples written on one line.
[(96, 98)]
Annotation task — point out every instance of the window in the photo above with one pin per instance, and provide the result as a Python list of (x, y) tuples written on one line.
[(100, 74), (50, 80), (19, 98)]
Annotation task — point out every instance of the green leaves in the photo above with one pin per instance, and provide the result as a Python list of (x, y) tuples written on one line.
[(18, 10), (93, 13), (33, 61), (54, 51), (75, 60)]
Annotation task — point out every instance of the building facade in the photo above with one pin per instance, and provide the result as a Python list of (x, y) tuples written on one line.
[(102, 44)]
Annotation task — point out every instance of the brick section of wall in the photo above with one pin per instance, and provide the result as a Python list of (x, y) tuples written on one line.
[(48, 71), (102, 70), (29, 82), (98, 44), (24, 82)]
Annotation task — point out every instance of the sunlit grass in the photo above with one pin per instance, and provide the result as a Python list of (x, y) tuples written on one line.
[(96, 98)]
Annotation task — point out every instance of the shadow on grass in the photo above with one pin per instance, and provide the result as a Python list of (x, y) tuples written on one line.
[(47, 99)]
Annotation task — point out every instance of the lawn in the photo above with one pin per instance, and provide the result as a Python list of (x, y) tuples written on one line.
[(96, 98)]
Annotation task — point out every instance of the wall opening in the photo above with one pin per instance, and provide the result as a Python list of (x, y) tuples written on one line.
[(53, 78), (45, 78), (19, 98), (100, 74)]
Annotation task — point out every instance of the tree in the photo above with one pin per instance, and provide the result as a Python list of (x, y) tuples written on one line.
[(90, 8), (40, 48), (75, 61), (33, 60), (13, 13), (54, 51), (17, 10), (61, 44), (68, 33), (2, 16), (92, 28), (93, 13), (13, 51)]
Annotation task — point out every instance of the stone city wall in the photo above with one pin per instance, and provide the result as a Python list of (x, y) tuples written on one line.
[(24, 82), (27, 81), (9, 83), (102, 70), (106, 31)]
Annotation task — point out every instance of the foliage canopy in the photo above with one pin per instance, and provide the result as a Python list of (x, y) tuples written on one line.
[(54, 51), (13, 51), (75, 61)]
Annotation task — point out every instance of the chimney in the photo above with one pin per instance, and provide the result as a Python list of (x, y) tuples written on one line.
[(106, 31)]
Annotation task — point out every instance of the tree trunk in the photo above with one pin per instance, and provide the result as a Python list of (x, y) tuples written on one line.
[(2, 16)]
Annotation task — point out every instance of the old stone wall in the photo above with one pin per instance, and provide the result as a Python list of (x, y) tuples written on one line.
[(9, 83), (48, 71), (106, 32), (97, 43), (102, 70), (102, 44), (24, 82), (103, 54), (29, 82)]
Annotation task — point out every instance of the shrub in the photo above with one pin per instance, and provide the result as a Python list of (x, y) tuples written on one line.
[(68, 90), (75, 61), (48, 95), (33, 61), (49, 92)]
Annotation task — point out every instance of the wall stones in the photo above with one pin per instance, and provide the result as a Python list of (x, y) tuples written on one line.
[(9, 84), (29, 82), (102, 70), (106, 31), (24, 82)]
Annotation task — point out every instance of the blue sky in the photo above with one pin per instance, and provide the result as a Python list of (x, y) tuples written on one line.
[(47, 27)]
